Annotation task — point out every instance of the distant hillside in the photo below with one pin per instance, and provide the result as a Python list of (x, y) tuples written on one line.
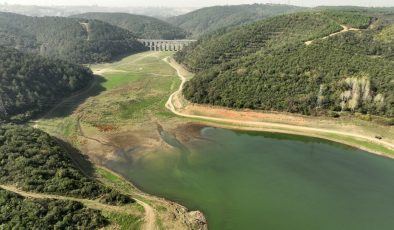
[(29, 83), (269, 66), (65, 11), (217, 17), (357, 8), (77, 40), (141, 26)]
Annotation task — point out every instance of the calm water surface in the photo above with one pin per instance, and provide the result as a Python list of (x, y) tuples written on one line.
[(272, 181)]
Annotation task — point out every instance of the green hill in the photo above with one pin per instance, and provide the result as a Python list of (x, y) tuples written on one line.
[(17, 212), (225, 45), (29, 83), (141, 26), (268, 66), (35, 162), (209, 19), (77, 40)]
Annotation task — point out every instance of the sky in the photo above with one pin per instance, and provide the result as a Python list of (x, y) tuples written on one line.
[(197, 3)]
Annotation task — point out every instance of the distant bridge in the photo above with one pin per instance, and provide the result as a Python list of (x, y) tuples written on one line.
[(165, 45)]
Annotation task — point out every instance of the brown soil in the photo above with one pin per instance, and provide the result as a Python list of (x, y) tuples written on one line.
[(280, 122)]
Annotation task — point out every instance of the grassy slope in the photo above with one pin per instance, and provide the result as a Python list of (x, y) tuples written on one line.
[(131, 91)]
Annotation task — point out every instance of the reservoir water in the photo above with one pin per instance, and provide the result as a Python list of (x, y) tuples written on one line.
[(244, 180)]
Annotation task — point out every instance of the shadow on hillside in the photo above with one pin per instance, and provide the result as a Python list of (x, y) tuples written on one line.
[(70, 104), (80, 160)]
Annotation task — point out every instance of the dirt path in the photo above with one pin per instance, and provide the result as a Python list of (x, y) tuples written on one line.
[(85, 25), (344, 29), (150, 216), (253, 125), (169, 103), (89, 203), (107, 70)]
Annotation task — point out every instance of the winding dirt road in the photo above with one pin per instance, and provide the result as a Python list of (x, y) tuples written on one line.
[(149, 219), (150, 216), (344, 29), (256, 125), (89, 203)]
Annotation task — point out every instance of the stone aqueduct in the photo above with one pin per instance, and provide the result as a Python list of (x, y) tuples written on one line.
[(165, 45)]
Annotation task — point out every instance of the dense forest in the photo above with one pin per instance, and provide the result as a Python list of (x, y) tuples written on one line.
[(225, 45), (142, 26), (17, 212), (34, 161), (77, 40), (275, 70), (209, 19), (29, 83)]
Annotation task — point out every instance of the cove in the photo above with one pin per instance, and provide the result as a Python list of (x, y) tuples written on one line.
[(244, 180)]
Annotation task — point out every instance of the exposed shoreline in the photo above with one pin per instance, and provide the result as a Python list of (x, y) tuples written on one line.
[(306, 134), (193, 219), (332, 135), (173, 105)]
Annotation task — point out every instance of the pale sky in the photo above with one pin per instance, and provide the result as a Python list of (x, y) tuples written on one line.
[(197, 3)]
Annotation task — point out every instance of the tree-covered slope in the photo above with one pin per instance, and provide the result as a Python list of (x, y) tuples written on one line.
[(213, 18), (77, 40), (34, 161), (29, 83), (17, 212), (351, 71), (225, 45), (141, 26)]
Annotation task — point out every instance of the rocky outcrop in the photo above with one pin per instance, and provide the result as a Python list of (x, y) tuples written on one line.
[(197, 220)]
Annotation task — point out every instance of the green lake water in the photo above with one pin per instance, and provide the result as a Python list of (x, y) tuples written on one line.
[(271, 181)]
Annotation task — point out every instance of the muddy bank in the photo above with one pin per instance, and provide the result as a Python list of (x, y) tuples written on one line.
[(116, 149)]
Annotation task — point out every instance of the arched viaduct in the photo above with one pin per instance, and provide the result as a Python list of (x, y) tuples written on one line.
[(165, 45)]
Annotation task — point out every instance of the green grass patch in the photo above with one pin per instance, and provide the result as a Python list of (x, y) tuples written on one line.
[(124, 221), (386, 35), (113, 180), (108, 175), (119, 79), (136, 108), (362, 144)]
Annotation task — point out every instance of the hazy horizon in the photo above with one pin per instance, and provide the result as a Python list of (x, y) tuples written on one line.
[(197, 3)]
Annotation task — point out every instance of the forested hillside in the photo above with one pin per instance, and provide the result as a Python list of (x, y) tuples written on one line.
[(17, 212), (209, 19), (34, 161), (228, 44), (269, 66), (77, 40), (29, 83), (141, 26)]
